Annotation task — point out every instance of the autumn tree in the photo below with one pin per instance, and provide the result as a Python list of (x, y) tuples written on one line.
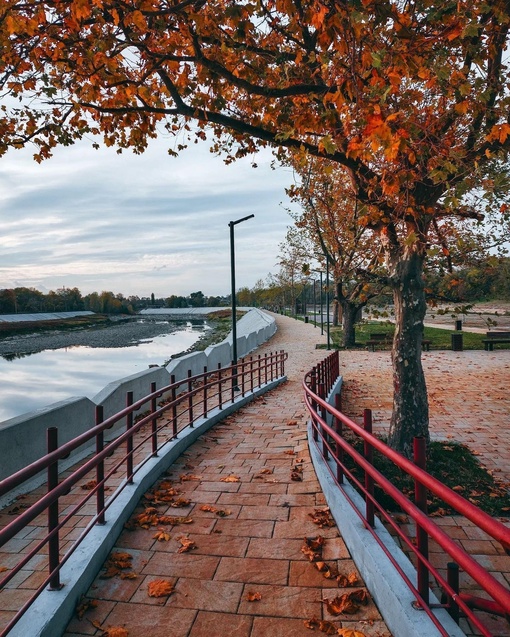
[(409, 96), (329, 217)]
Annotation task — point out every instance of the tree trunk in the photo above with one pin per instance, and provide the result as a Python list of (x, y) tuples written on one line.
[(410, 415), (349, 312)]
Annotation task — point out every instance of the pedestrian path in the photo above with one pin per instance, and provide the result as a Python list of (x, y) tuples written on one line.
[(234, 564)]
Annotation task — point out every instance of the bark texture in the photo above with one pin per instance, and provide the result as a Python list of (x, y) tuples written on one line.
[(410, 415)]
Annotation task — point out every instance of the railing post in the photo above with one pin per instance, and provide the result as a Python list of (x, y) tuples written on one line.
[(100, 468), (452, 577), (321, 393), (313, 383), (129, 441), (265, 369), (173, 398), (243, 371), (190, 400), (220, 388), (154, 436), (339, 451), (368, 453), (54, 541), (251, 374), (260, 372), (205, 391), (282, 362), (233, 384), (420, 496)]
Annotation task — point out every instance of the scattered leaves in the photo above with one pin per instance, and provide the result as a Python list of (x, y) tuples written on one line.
[(84, 605), (312, 548), (290, 452), (160, 588), (348, 603), (3, 569), (115, 564), (322, 517)]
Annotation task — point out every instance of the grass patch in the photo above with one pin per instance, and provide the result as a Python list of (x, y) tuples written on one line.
[(440, 338), (456, 466)]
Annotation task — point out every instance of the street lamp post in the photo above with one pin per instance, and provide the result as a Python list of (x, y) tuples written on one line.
[(327, 303), (231, 225)]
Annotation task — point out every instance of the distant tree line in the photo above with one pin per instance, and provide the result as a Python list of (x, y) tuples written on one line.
[(23, 300), (292, 287)]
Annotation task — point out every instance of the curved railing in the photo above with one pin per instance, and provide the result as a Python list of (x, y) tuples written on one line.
[(146, 433), (329, 425)]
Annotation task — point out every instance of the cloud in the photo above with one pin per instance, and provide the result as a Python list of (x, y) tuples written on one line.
[(138, 224)]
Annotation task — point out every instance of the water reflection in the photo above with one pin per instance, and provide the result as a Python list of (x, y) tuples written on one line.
[(33, 381)]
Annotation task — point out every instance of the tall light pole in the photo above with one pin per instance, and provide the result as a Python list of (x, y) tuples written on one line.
[(327, 303), (231, 225)]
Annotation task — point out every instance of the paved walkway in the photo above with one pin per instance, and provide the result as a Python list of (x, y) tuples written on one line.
[(246, 575)]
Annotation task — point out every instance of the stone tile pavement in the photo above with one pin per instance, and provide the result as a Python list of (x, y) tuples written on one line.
[(250, 517)]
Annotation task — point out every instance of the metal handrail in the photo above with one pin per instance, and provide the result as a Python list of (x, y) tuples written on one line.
[(203, 392), (331, 444)]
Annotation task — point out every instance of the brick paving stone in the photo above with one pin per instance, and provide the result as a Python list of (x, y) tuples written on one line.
[(208, 624), (253, 570)]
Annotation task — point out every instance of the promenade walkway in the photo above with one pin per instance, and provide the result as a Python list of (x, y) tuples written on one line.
[(246, 575)]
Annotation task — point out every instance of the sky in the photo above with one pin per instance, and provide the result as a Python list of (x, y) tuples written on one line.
[(138, 225)]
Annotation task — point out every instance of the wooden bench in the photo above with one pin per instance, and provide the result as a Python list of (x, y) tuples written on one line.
[(387, 339), (379, 339), (492, 338)]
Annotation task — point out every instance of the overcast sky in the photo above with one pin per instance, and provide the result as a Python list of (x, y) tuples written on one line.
[(138, 224)]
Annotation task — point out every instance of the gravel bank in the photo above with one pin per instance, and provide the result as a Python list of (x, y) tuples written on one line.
[(117, 334)]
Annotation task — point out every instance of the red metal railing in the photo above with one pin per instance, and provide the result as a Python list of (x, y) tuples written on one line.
[(185, 402), (334, 448)]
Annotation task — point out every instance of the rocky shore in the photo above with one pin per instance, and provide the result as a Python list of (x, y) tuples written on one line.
[(114, 334)]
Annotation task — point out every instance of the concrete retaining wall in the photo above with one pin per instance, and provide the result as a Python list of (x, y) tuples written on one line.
[(23, 438)]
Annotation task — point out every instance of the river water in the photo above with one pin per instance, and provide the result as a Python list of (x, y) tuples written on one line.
[(36, 380)]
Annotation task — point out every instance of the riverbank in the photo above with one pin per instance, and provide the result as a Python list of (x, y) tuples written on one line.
[(110, 334)]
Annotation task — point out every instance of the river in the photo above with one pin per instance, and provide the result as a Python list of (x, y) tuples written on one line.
[(39, 379)]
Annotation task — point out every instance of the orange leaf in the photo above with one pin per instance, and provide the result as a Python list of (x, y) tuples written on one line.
[(162, 536), (290, 452), (84, 606), (88, 486), (160, 588), (348, 603), (3, 569), (345, 581), (130, 575), (349, 632), (115, 631), (253, 597), (231, 478), (186, 544)]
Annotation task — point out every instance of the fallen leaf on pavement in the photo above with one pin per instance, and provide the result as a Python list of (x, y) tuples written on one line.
[(231, 478), (253, 597), (160, 588), (348, 603)]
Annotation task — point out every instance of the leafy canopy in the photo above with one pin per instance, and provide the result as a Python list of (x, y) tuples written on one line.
[(410, 97)]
